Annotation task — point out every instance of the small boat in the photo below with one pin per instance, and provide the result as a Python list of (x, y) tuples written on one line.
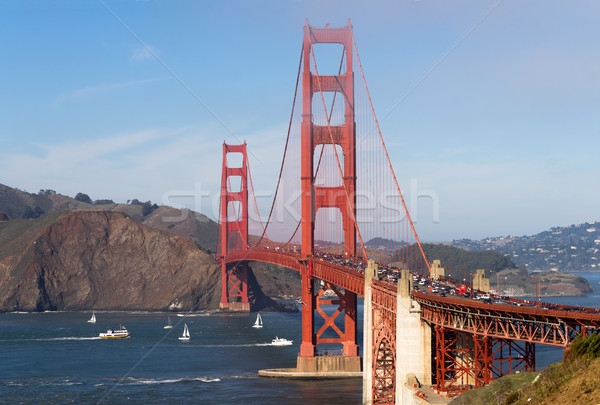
[(93, 318), (281, 342), (186, 333), (122, 332), (258, 323), (169, 325)]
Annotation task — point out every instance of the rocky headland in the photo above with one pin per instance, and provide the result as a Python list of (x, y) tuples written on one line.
[(82, 259)]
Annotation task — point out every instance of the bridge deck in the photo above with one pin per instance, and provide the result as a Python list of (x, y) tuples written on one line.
[(556, 327)]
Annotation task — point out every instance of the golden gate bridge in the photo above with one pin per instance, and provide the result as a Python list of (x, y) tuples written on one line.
[(337, 190)]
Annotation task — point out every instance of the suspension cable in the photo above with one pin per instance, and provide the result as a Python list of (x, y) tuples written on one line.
[(387, 155), (286, 147)]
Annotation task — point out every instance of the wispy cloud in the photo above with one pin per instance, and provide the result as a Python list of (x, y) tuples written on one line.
[(99, 89), (141, 164), (143, 52)]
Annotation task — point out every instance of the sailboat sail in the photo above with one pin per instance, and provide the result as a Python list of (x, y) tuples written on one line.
[(186, 333), (258, 323), (93, 318)]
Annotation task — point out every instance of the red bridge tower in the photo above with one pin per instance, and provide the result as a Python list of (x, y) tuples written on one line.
[(316, 197), (233, 231)]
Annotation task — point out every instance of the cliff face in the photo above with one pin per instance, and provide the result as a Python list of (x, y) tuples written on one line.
[(98, 259)]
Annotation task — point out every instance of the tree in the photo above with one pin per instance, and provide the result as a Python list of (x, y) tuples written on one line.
[(103, 202), (148, 207), (46, 192), (83, 198), (32, 213)]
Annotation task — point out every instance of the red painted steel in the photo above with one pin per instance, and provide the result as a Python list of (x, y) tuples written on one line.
[(313, 198), (384, 367), (534, 325), (312, 135), (465, 361), (234, 280), (348, 279)]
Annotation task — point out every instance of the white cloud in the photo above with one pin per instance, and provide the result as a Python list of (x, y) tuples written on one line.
[(142, 164), (99, 89)]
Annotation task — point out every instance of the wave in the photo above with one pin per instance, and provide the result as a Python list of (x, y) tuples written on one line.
[(239, 345), (150, 381), (191, 315)]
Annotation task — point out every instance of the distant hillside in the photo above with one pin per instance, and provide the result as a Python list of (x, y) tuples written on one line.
[(573, 248), (454, 258), (388, 246), (16, 203), (31, 214), (21, 204)]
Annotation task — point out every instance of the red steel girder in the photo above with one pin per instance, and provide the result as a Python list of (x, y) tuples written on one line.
[(551, 327), (346, 302), (347, 279), (465, 361), (384, 366)]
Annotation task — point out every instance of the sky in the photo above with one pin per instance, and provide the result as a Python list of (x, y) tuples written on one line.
[(489, 109)]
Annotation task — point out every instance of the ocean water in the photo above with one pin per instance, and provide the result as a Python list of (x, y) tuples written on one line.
[(57, 358), (546, 355)]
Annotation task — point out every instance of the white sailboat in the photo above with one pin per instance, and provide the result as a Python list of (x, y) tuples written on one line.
[(186, 333), (93, 318), (258, 323), (169, 325)]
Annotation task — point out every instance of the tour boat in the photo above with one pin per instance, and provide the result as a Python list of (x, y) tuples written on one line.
[(281, 342), (186, 333), (258, 323), (93, 318), (119, 333), (169, 325)]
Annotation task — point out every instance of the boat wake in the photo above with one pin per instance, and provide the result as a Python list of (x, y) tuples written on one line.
[(66, 338), (195, 314), (150, 381), (240, 345)]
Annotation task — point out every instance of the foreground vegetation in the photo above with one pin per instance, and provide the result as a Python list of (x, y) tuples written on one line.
[(574, 380)]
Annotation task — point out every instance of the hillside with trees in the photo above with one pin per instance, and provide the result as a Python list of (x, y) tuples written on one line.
[(453, 258), (566, 249)]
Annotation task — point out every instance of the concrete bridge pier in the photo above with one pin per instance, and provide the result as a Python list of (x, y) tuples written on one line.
[(413, 343), (370, 273)]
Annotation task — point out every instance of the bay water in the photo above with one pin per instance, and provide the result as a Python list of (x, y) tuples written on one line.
[(58, 358)]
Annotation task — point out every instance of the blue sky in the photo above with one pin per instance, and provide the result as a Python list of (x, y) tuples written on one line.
[(492, 106)]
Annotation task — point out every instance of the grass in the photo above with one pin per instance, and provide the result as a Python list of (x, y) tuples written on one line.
[(554, 378), (497, 391)]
